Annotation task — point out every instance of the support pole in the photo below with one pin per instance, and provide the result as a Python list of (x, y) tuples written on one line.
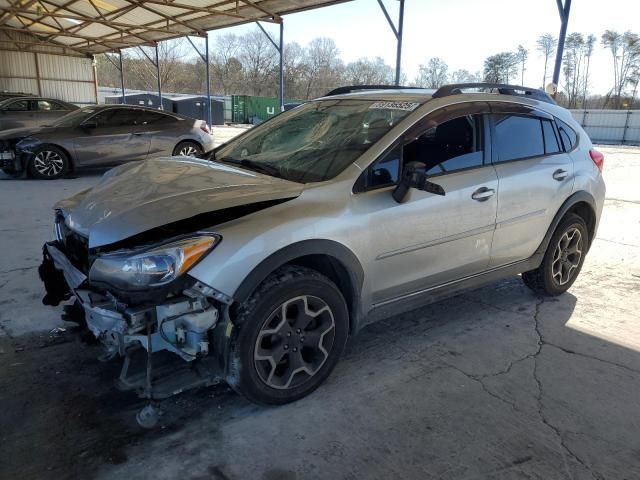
[(397, 32), (281, 51), (564, 21), (124, 100), (399, 38), (206, 62), (159, 81), (280, 48)]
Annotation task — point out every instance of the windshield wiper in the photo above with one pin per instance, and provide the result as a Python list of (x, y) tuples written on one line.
[(253, 165)]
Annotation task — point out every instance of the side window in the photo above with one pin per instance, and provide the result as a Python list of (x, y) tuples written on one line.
[(18, 106), (156, 118), (448, 147), (517, 137), (104, 119), (567, 135), (386, 171), (44, 106), (551, 144), (117, 117)]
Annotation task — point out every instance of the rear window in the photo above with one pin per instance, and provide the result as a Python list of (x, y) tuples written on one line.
[(568, 135), (517, 137)]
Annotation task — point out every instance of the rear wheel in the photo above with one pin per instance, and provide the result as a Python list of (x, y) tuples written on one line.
[(48, 163), (188, 149), (291, 333), (563, 259)]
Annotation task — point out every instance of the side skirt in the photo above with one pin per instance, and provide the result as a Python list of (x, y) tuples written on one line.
[(420, 298)]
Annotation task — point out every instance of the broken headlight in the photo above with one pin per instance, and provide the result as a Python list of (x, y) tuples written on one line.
[(151, 267)]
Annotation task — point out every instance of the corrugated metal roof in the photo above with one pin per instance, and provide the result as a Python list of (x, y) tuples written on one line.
[(84, 27)]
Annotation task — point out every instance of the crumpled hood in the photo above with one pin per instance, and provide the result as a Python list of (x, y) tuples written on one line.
[(139, 196)]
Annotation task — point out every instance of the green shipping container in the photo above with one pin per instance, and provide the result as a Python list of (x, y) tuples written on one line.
[(249, 109)]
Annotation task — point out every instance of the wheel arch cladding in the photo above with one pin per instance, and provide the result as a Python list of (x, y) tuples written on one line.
[(331, 259), (580, 203)]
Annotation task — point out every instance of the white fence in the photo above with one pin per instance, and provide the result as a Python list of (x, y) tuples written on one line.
[(617, 127)]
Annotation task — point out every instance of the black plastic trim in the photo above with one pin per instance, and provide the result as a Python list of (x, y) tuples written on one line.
[(503, 89)]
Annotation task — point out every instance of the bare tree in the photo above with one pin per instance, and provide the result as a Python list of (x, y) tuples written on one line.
[(625, 50), (464, 76), (433, 74), (522, 55), (369, 72), (546, 45), (499, 68), (325, 67), (588, 52), (573, 62)]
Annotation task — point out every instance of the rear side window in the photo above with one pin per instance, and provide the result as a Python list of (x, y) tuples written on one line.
[(18, 106), (567, 135), (551, 144), (156, 118), (517, 137)]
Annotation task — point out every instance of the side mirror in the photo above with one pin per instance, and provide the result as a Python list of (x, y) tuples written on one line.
[(90, 125), (414, 175)]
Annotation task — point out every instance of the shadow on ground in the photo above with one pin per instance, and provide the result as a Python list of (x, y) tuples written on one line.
[(472, 387)]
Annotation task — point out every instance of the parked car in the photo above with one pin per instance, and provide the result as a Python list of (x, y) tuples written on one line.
[(100, 136), (6, 95), (19, 112), (257, 263)]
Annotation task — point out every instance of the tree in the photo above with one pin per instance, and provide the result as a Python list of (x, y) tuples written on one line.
[(574, 51), (433, 74), (588, 52), (499, 68), (625, 50), (546, 45), (369, 72), (522, 55), (464, 76)]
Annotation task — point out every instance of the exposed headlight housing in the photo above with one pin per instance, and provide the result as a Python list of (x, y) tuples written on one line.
[(152, 267)]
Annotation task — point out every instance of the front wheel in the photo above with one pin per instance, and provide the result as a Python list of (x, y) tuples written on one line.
[(291, 333), (563, 259), (48, 163), (187, 149)]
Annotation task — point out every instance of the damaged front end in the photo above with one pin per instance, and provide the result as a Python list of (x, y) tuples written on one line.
[(140, 299)]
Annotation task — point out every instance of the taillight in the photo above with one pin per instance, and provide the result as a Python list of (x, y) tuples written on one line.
[(597, 157), (204, 127)]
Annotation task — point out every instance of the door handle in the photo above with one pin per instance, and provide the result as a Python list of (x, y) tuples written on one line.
[(138, 134), (560, 174), (483, 194)]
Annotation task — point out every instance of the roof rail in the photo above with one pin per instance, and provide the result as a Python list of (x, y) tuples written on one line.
[(355, 88), (503, 89)]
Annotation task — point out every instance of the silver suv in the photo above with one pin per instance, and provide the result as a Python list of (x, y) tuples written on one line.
[(256, 263)]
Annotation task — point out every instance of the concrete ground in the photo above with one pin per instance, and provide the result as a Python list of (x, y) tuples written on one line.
[(496, 383)]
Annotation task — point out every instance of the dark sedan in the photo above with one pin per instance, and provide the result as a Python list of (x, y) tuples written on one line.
[(18, 112), (100, 136)]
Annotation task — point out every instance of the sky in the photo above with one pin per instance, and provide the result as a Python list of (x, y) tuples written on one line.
[(462, 32)]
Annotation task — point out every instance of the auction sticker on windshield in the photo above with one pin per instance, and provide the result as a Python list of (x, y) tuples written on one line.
[(407, 106)]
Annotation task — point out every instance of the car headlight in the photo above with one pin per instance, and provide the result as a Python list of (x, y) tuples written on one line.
[(151, 267)]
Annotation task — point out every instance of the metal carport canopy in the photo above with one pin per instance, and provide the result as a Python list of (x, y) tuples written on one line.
[(88, 27)]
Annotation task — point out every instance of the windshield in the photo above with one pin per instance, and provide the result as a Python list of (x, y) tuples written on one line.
[(316, 141), (74, 118)]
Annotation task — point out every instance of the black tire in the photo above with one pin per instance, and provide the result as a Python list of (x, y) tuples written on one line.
[(48, 163), (277, 298), (188, 149), (549, 280)]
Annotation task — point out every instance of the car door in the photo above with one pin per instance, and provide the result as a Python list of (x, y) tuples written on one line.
[(109, 138), (16, 114), (430, 239), (535, 177), (160, 129)]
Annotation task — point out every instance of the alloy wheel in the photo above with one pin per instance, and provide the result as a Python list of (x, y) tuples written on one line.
[(294, 342), (48, 163), (188, 151), (566, 256)]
